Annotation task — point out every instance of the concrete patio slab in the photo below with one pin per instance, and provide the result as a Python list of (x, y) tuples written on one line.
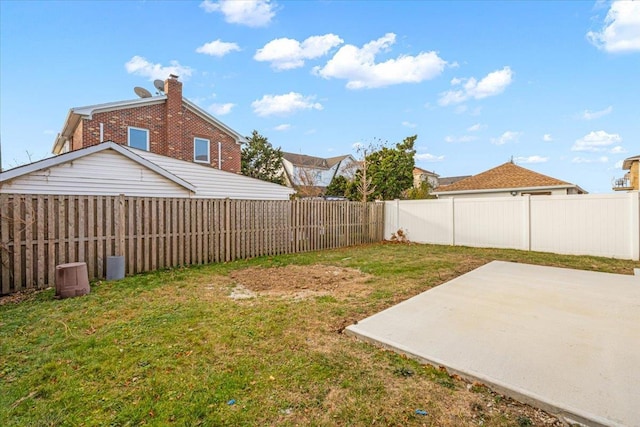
[(567, 341)]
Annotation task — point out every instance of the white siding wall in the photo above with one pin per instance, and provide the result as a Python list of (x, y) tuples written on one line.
[(595, 224), (104, 173)]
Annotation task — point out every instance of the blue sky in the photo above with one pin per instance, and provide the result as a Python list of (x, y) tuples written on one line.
[(553, 84)]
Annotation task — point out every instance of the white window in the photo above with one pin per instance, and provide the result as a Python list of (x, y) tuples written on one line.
[(139, 138), (201, 150)]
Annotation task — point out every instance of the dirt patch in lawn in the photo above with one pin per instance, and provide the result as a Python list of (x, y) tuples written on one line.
[(300, 281)]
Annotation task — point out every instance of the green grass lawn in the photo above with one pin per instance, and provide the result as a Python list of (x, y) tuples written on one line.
[(172, 348)]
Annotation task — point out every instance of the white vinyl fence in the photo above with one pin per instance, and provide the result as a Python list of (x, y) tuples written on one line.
[(592, 224)]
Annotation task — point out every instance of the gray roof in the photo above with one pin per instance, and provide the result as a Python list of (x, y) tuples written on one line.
[(303, 160), (448, 180)]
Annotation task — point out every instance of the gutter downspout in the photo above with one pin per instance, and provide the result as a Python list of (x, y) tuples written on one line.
[(219, 155)]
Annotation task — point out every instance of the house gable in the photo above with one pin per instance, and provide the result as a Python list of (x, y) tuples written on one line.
[(172, 124), (107, 169), (309, 171)]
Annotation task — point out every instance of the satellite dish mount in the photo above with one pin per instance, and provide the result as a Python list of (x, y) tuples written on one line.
[(159, 85)]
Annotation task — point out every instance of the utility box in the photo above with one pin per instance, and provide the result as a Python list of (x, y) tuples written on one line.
[(72, 280), (115, 267)]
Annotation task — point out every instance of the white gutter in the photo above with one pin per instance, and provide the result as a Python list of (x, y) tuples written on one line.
[(501, 190)]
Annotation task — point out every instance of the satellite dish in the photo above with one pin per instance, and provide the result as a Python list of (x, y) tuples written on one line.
[(159, 84), (142, 92)]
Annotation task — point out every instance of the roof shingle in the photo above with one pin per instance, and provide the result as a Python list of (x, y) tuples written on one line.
[(507, 175)]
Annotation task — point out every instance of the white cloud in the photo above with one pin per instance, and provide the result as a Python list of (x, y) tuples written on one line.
[(603, 159), (282, 127), (547, 137), (217, 48), (461, 109), (284, 104), (476, 127), (409, 124), (463, 138), (596, 141), (426, 157), (618, 164), (508, 136), (531, 159), (221, 109), (591, 115), (286, 54), (621, 30), (252, 13), (618, 149), (492, 84), (358, 66), (141, 67)]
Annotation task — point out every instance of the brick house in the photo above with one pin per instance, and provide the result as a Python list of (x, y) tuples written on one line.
[(166, 124)]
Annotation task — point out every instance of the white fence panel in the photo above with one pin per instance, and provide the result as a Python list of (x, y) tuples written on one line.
[(597, 224), (425, 221), (591, 224), (496, 222)]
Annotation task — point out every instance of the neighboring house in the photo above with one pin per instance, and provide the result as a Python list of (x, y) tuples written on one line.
[(112, 169), (435, 180), (314, 174), (166, 124), (422, 175), (448, 180), (630, 181), (507, 179)]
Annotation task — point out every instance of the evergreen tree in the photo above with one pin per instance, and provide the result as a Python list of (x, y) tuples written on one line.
[(260, 160)]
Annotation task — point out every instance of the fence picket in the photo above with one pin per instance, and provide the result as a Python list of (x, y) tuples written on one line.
[(5, 249), (38, 232), (17, 240), (51, 242)]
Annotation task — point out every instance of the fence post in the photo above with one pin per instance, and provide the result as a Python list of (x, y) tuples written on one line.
[(526, 216), (5, 260), (120, 226), (227, 229), (635, 224), (397, 215), (453, 221)]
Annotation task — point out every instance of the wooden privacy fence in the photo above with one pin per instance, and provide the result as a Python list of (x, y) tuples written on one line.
[(38, 232)]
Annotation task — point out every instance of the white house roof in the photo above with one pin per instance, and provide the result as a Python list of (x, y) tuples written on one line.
[(215, 183), (199, 180), (73, 155)]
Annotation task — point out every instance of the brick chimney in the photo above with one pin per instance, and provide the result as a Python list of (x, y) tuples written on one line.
[(174, 120)]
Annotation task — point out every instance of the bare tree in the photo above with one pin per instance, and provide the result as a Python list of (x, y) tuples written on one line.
[(307, 183), (363, 185)]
